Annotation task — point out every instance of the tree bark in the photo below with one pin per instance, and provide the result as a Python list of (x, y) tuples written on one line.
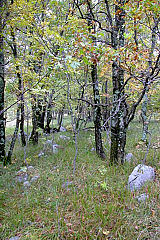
[(49, 113), (97, 112), (118, 126), (94, 76), (60, 118), (144, 117), (34, 134), (2, 86), (10, 152), (20, 88), (41, 111), (106, 114)]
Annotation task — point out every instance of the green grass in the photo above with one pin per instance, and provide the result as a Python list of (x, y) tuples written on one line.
[(97, 205)]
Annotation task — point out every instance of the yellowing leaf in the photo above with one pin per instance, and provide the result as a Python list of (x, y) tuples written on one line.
[(105, 232)]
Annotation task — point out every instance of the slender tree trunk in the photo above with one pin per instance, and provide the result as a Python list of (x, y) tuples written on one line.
[(60, 118), (80, 110), (20, 87), (2, 86), (34, 134), (106, 113), (144, 117), (97, 113), (41, 108), (10, 152), (49, 113), (22, 114), (43, 112)]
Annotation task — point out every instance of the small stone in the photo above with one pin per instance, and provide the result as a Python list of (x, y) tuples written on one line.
[(129, 157), (55, 148), (41, 154), (26, 184), (35, 178), (30, 169), (62, 129), (28, 223), (93, 149), (63, 137), (22, 178), (48, 200), (14, 238), (142, 197), (22, 171), (49, 141)]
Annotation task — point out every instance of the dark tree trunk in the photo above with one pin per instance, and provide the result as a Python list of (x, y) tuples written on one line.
[(10, 152), (41, 111), (80, 110), (20, 88), (49, 113), (144, 117), (118, 114), (97, 113), (94, 76), (60, 118), (2, 86), (22, 114), (34, 134)]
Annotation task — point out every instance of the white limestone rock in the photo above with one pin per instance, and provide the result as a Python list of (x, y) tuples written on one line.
[(14, 238), (62, 129), (129, 157), (142, 197), (93, 149), (22, 178), (26, 184), (41, 154), (49, 141), (63, 137), (55, 148), (31, 169), (35, 178), (140, 175)]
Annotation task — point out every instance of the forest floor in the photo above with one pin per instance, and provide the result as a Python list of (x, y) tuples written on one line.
[(94, 203)]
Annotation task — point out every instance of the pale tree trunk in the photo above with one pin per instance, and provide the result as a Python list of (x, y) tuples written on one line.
[(2, 86), (106, 114)]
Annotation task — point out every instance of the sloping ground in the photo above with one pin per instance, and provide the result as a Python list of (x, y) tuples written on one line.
[(93, 204)]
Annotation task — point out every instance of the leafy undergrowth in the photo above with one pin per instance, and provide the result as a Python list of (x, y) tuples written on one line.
[(93, 204)]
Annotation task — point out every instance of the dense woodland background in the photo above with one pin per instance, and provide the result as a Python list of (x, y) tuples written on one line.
[(89, 70)]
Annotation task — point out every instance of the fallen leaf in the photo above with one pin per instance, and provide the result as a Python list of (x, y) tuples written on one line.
[(105, 232)]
